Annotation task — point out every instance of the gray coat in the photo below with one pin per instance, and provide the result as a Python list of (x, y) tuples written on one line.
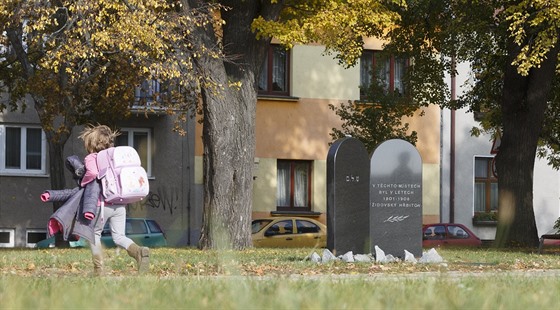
[(77, 201)]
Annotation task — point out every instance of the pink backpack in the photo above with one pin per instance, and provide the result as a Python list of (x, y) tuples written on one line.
[(123, 180)]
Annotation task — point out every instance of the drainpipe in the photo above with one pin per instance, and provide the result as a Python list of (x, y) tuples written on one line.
[(452, 147)]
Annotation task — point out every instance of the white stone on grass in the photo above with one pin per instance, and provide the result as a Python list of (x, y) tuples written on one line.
[(409, 257), (362, 258), (380, 256), (348, 257), (431, 256), (327, 256), (391, 259), (316, 258)]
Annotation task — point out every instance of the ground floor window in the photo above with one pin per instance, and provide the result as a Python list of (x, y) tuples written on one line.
[(23, 149), (7, 237), (141, 140), (485, 186), (35, 235), (294, 185)]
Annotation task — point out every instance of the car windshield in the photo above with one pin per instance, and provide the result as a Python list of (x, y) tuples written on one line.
[(257, 225)]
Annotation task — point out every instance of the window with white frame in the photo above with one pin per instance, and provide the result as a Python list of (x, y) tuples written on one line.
[(23, 149), (7, 239), (485, 186), (33, 236), (293, 185), (141, 140)]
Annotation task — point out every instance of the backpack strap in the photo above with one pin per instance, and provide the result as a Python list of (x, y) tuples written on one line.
[(103, 162)]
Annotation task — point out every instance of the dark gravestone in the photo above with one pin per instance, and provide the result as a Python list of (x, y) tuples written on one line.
[(396, 198), (348, 197)]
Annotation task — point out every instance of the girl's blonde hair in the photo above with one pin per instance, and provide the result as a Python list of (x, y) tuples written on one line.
[(98, 138)]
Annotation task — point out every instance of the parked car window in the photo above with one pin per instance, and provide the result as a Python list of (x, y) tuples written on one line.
[(154, 227), (449, 234), (288, 232), (257, 225), (281, 228), (304, 227), (457, 232), (434, 232), (136, 227)]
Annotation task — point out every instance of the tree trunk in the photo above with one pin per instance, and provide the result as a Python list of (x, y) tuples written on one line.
[(56, 169), (229, 148), (56, 162), (524, 102), (229, 124)]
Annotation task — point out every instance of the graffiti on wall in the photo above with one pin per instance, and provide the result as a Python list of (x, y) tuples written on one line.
[(167, 200)]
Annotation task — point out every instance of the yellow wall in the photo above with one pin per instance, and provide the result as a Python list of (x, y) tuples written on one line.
[(264, 187), (321, 77)]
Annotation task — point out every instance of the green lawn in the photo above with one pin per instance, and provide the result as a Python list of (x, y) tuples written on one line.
[(278, 279)]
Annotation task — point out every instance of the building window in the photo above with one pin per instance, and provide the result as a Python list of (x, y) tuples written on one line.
[(7, 238), (141, 140), (274, 77), (23, 150), (485, 186), (294, 185), (147, 92), (388, 71), (151, 91), (34, 236)]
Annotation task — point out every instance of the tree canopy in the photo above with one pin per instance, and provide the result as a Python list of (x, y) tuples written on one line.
[(83, 59), (512, 47), (79, 62)]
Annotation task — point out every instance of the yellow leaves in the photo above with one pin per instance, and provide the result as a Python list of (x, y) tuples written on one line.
[(339, 25), (237, 85), (534, 26)]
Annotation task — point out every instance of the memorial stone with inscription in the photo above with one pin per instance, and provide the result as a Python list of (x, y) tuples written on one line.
[(348, 197), (396, 198)]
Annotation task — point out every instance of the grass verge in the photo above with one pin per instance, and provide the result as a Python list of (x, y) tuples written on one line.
[(277, 278)]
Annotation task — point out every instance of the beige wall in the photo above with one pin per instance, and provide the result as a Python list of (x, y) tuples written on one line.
[(294, 130), (321, 77)]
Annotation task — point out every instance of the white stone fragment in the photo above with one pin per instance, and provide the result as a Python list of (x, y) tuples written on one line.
[(409, 257), (362, 258), (348, 257), (380, 256), (431, 256), (327, 256), (316, 258)]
